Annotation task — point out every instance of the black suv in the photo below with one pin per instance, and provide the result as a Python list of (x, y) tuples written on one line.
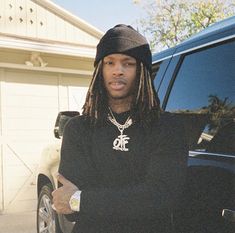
[(195, 80)]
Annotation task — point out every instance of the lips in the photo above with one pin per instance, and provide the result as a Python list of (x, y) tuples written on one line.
[(117, 84)]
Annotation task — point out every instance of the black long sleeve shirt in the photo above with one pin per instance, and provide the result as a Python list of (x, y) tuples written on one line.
[(133, 191)]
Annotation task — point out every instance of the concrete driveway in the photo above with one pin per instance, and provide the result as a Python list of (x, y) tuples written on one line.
[(18, 222)]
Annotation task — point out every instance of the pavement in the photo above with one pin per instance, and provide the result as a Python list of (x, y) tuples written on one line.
[(18, 222)]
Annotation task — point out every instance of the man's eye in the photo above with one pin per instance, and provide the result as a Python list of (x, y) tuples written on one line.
[(130, 64), (108, 63)]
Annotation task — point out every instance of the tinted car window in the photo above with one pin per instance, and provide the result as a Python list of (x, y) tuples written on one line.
[(204, 85), (158, 71)]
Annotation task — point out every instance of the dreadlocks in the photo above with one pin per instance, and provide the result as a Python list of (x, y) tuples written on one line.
[(145, 105)]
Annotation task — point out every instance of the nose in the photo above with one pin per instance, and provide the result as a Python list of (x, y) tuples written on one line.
[(118, 69)]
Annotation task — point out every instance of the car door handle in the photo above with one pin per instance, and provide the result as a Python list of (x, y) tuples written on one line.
[(229, 215)]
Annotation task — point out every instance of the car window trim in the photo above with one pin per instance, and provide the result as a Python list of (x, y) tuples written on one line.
[(177, 66), (205, 45), (161, 59), (196, 48), (196, 153)]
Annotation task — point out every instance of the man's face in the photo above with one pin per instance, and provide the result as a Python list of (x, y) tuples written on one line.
[(119, 73)]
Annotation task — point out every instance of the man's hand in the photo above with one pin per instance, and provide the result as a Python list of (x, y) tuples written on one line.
[(62, 195)]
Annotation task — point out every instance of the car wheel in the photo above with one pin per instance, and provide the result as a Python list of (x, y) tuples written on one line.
[(47, 219)]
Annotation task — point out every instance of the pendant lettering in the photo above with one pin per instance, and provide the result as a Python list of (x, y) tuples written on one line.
[(120, 143)]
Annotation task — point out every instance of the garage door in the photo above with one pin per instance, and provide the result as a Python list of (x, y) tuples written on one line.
[(30, 103)]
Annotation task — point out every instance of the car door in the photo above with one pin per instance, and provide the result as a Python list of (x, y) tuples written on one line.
[(200, 85)]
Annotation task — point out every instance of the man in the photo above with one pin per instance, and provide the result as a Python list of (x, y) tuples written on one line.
[(123, 161)]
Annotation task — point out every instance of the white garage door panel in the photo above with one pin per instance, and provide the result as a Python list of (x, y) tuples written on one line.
[(18, 178), (32, 93), (30, 101), (32, 124), (75, 94), (31, 113), (30, 105), (22, 173), (28, 79)]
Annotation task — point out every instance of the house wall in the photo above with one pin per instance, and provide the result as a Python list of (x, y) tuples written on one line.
[(20, 57), (26, 18), (33, 91), (1, 144)]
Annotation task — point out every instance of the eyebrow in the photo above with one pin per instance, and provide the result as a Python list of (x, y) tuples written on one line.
[(122, 58)]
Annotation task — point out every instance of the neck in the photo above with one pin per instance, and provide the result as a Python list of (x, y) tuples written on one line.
[(120, 106)]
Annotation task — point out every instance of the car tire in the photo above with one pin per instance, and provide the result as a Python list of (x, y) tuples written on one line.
[(47, 219)]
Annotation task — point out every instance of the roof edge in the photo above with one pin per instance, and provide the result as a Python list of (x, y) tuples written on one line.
[(75, 20), (37, 46)]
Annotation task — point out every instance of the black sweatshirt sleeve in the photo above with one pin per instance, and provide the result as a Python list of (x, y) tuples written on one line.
[(74, 164), (156, 195)]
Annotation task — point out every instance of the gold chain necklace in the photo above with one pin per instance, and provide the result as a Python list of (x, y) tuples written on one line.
[(120, 142)]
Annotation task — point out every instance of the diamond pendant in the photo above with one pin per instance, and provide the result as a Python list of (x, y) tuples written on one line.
[(120, 142)]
